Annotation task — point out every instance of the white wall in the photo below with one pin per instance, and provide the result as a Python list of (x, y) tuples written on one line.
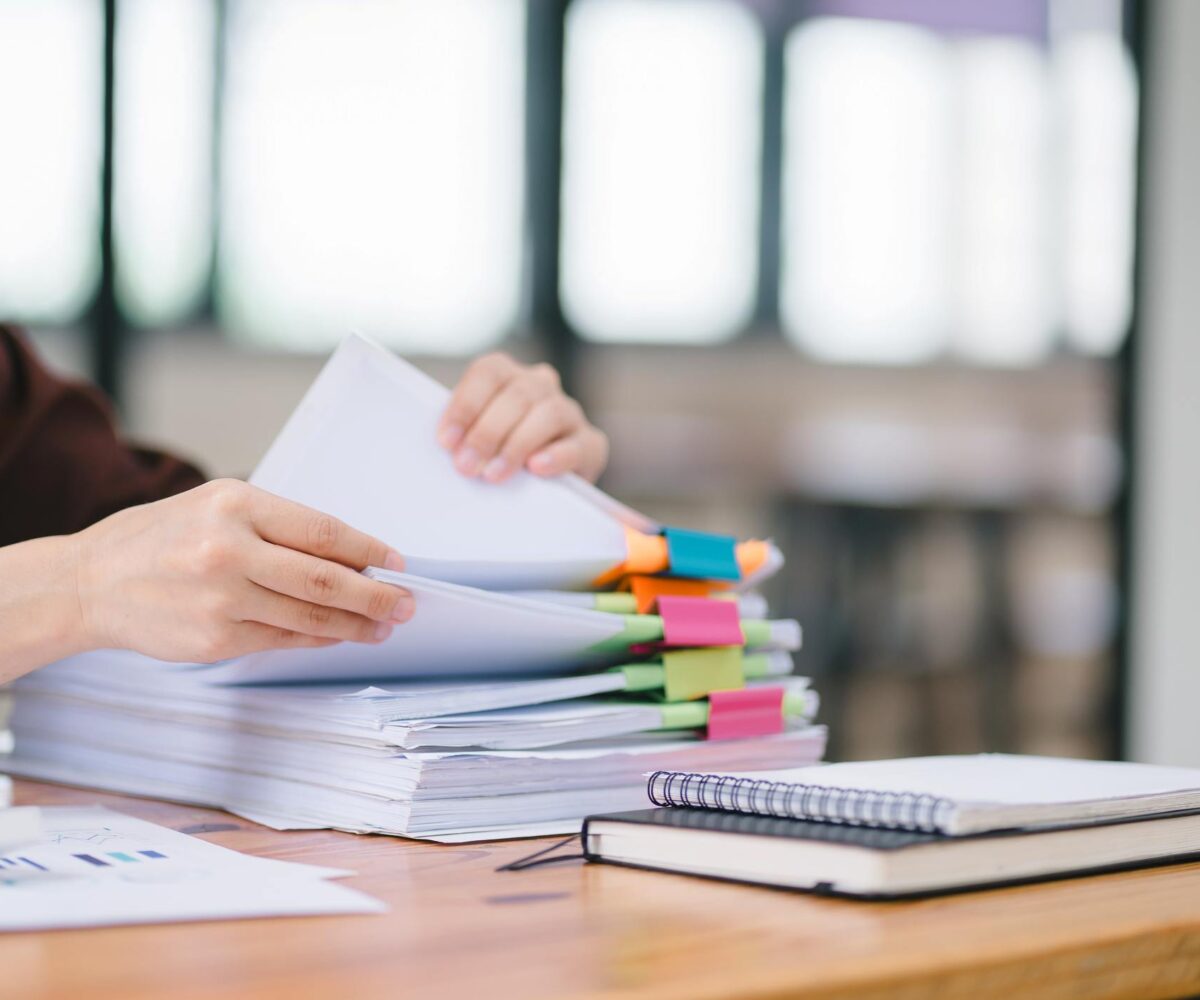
[(1164, 713)]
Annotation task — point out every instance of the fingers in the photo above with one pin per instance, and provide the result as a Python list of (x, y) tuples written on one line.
[(483, 379), (327, 584), (266, 607), (303, 529), (584, 452), (554, 418), (485, 447)]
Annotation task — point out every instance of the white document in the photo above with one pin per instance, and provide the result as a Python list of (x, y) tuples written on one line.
[(362, 446), (19, 826), (94, 867), (455, 630)]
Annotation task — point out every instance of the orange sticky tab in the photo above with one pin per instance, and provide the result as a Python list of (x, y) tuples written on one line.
[(643, 554), (752, 556), (648, 589)]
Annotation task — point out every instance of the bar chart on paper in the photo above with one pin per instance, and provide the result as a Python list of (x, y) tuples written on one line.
[(93, 867)]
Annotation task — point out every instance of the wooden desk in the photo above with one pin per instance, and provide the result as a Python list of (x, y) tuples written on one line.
[(459, 929)]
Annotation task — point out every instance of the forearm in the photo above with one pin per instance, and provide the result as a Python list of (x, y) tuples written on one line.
[(40, 620)]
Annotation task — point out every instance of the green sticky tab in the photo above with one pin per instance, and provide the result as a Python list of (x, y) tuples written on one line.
[(616, 604), (641, 676), (756, 631), (638, 628), (684, 714), (795, 704), (693, 673), (755, 664)]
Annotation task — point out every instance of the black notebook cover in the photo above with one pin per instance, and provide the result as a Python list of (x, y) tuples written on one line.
[(838, 833)]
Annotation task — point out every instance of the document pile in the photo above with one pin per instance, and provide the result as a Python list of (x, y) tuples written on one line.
[(563, 645)]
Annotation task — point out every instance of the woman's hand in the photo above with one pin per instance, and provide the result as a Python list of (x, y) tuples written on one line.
[(228, 569), (504, 416)]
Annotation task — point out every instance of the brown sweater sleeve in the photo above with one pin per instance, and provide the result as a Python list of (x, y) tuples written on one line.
[(62, 466)]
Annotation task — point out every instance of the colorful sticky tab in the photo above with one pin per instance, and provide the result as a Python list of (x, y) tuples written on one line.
[(615, 604), (750, 712), (641, 676), (696, 621), (693, 673), (648, 589), (684, 714), (639, 630), (757, 632), (701, 556)]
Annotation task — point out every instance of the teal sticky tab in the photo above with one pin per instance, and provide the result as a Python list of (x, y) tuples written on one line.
[(693, 673), (638, 629), (641, 676), (701, 556), (684, 714)]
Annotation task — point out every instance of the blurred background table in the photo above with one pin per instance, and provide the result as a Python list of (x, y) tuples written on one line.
[(458, 928)]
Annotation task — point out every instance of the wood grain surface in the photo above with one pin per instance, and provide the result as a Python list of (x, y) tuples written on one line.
[(458, 928)]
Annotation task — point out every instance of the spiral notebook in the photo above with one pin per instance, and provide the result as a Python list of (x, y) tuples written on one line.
[(952, 795)]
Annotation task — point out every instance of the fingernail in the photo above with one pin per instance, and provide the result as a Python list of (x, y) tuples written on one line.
[(496, 469), (541, 462), (467, 461), (394, 561), (382, 631), (450, 435), (405, 606)]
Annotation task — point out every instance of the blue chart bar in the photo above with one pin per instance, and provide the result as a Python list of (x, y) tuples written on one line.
[(9, 862), (152, 854), (34, 864), (93, 861)]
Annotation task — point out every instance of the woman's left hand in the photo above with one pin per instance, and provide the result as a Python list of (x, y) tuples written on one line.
[(504, 416)]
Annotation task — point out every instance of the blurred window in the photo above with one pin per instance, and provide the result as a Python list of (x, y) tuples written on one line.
[(961, 194), (51, 79), (372, 172), (661, 153), (163, 198)]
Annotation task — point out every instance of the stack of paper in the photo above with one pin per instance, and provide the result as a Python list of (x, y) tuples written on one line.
[(6, 744), (562, 646)]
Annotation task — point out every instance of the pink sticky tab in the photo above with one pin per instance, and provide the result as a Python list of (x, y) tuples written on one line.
[(700, 621), (750, 712)]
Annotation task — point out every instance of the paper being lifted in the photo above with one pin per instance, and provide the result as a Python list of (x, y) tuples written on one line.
[(465, 632), (92, 867), (493, 634), (362, 446)]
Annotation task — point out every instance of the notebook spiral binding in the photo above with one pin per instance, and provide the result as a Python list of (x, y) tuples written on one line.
[(852, 806)]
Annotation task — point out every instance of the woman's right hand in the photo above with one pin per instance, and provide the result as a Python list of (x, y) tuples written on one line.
[(228, 569)]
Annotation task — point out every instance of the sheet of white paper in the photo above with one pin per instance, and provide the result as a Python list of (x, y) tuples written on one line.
[(19, 825), (455, 629), (998, 779), (362, 446), (94, 867)]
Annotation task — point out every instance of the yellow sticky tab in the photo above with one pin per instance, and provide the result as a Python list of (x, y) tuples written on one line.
[(693, 673)]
